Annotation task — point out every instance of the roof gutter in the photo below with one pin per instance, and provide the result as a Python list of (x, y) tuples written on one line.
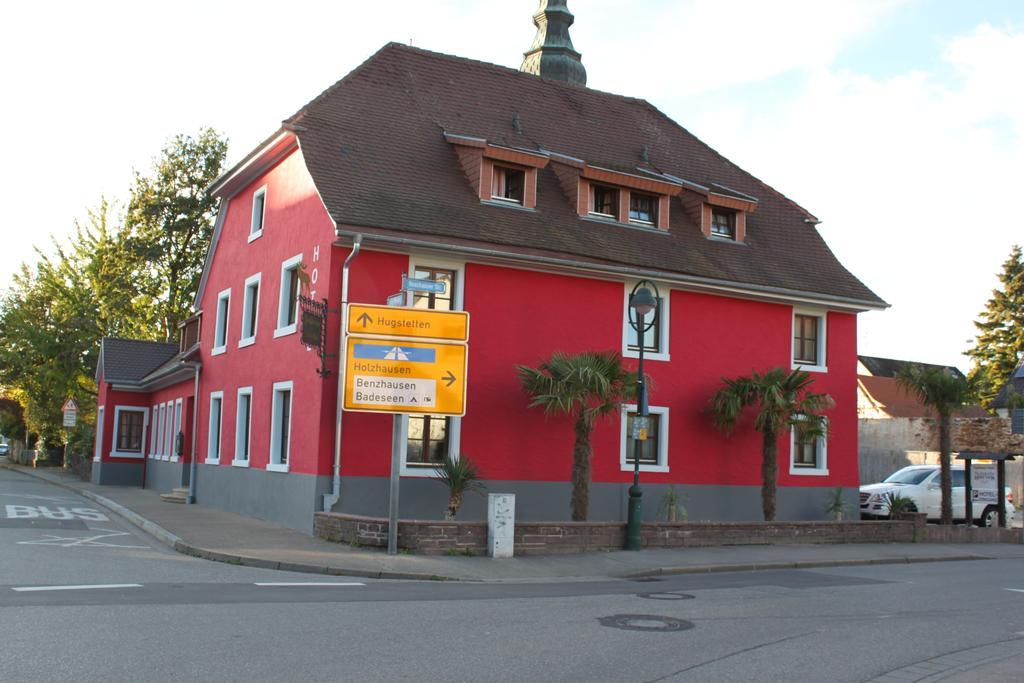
[(700, 283)]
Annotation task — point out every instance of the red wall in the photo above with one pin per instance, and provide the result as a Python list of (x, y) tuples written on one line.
[(521, 317), (295, 221)]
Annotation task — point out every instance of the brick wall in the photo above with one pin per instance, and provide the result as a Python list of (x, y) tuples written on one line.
[(551, 538)]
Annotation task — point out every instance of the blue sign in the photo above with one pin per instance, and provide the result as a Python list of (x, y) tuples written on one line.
[(406, 354), (412, 284)]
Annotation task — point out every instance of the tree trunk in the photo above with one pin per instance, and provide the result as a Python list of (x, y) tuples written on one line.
[(769, 454), (454, 503), (945, 475), (581, 470)]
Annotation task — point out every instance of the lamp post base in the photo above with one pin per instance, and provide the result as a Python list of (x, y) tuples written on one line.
[(634, 518)]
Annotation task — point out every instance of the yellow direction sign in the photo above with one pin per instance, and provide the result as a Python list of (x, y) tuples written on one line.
[(403, 376), (391, 321)]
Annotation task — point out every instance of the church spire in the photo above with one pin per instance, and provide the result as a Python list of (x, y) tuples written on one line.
[(552, 55)]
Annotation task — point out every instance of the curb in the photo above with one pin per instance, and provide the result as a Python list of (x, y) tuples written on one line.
[(175, 542)]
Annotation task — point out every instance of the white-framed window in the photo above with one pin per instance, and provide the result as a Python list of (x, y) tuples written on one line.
[(176, 430), (808, 339), (508, 184), (129, 432), (163, 431), (809, 458), (220, 329), (154, 441), (259, 211), (656, 339), (243, 427), (213, 435), (654, 451), (280, 426), (430, 437), (169, 431), (98, 446), (288, 299), (250, 310)]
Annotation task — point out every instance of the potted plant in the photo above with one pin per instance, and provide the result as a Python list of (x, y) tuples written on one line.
[(835, 505), (459, 475), (898, 504), (672, 507)]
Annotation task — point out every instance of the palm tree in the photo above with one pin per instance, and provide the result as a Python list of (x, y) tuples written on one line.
[(459, 475), (583, 386), (782, 400), (943, 391)]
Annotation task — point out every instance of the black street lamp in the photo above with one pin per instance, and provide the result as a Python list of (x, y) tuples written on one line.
[(641, 302)]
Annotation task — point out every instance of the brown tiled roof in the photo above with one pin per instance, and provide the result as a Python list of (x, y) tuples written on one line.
[(129, 360), (374, 145), (899, 403), (889, 367)]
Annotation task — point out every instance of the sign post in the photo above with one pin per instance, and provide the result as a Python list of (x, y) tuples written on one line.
[(70, 415), (403, 360)]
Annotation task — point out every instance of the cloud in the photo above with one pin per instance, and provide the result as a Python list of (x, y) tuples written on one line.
[(913, 175)]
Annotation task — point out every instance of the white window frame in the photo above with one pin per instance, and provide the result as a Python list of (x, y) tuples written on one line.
[(221, 324), (250, 306), (274, 463), (282, 302), (626, 457), (97, 450), (822, 316), (822, 469), (114, 453), (237, 462), (215, 459), (176, 427), (169, 431), (163, 431), (256, 234), (455, 422), (663, 326), (154, 441)]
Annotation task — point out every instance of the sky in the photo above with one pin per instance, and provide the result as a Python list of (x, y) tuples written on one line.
[(899, 123)]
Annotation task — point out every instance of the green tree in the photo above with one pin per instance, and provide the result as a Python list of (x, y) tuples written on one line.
[(12, 418), (170, 220), (780, 400), (999, 346), (943, 392), (583, 386), (54, 314)]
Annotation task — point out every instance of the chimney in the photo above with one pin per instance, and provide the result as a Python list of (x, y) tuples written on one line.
[(552, 55)]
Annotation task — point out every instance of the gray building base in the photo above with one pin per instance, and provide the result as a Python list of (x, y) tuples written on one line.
[(538, 501), (117, 473), (283, 497), (164, 475)]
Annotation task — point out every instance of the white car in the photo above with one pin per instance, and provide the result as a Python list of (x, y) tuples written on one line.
[(920, 483)]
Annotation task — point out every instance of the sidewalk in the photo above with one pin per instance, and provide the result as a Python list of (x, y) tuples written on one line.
[(213, 534)]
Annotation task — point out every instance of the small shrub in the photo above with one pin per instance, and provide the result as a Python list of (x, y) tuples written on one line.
[(898, 504), (671, 508), (835, 505)]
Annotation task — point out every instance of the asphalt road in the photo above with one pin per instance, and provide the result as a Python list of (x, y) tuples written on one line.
[(84, 598)]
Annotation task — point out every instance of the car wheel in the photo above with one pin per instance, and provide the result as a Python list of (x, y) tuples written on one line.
[(990, 517)]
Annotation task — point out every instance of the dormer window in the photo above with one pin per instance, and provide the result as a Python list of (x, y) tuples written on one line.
[(508, 184), (723, 223), (643, 208), (604, 201)]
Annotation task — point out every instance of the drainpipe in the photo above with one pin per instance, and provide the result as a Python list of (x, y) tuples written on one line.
[(195, 427), (331, 499)]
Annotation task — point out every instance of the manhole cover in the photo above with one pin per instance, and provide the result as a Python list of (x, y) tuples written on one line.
[(665, 596), (645, 622)]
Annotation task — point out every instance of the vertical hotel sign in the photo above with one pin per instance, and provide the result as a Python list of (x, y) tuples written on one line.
[(406, 360)]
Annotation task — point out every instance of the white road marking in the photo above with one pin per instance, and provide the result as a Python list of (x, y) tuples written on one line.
[(86, 542), (1015, 590), (309, 583), (27, 589)]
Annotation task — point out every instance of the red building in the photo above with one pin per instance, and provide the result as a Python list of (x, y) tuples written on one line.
[(540, 203)]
